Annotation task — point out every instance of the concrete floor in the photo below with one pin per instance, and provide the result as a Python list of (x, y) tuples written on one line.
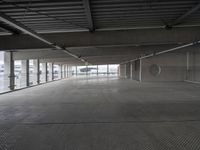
[(101, 114)]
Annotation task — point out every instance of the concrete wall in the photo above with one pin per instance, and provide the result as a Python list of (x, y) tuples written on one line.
[(128, 70), (193, 69), (136, 70), (172, 67), (122, 71)]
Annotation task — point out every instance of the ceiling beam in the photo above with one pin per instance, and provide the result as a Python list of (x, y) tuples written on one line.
[(86, 4), (6, 19), (104, 38), (9, 29), (181, 18), (184, 46)]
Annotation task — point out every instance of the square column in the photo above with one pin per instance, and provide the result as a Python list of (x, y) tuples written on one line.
[(187, 65), (76, 71), (86, 70), (128, 73), (52, 71), (60, 71), (97, 70), (107, 69), (36, 70), (9, 77), (140, 71), (131, 70), (64, 71), (25, 73), (46, 72), (43, 73), (122, 69), (67, 71)]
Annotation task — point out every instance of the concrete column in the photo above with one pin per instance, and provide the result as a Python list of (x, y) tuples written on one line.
[(36, 70), (61, 71), (136, 70), (12, 72), (140, 70), (125, 71), (187, 65), (6, 78), (24, 72), (122, 71), (46, 72), (52, 71), (131, 70), (27, 73), (64, 71), (119, 71), (70, 71), (128, 70), (97, 70), (76, 71), (86, 70), (107, 69), (43, 72), (9, 77), (67, 71)]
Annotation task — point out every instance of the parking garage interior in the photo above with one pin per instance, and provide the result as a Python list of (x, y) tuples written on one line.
[(99, 75)]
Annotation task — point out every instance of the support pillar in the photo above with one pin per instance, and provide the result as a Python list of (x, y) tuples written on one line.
[(67, 71), (187, 65), (128, 73), (46, 72), (24, 73), (64, 71), (140, 70), (27, 73), (52, 71), (36, 70), (60, 71), (12, 72), (76, 71), (125, 71), (70, 71), (119, 70), (86, 70), (97, 70), (131, 70), (107, 69), (43, 72), (9, 77), (122, 69)]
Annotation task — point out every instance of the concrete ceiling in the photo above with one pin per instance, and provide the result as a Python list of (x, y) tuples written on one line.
[(98, 31)]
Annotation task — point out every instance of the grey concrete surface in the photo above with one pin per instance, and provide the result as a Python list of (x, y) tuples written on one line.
[(122, 71), (172, 65), (104, 38), (193, 65), (101, 114)]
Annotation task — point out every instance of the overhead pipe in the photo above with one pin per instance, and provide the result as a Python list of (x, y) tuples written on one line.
[(162, 52)]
